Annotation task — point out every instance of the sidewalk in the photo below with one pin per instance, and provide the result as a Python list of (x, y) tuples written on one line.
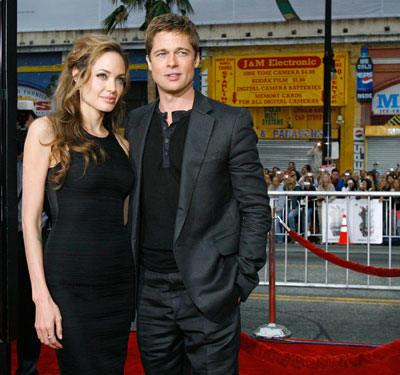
[(341, 315)]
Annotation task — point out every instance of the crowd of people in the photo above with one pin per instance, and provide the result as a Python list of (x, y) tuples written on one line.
[(325, 180), (347, 181)]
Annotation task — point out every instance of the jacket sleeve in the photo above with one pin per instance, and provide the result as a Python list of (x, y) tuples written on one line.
[(250, 191)]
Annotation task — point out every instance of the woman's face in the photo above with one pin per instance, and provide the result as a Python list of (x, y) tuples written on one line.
[(364, 184), (325, 179), (396, 184), (105, 85), (289, 185)]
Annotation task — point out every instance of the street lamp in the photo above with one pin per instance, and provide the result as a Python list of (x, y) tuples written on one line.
[(329, 68)]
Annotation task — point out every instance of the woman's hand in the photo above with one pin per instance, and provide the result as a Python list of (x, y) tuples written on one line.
[(48, 323)]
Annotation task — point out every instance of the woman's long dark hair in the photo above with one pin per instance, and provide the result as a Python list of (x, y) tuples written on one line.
[(66, 120)]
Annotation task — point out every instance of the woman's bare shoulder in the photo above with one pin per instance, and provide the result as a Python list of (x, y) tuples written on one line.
[(42, 129)]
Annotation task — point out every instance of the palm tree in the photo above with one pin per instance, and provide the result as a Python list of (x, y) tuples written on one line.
[(153, 8)]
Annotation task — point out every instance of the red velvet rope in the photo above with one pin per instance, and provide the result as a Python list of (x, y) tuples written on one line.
[(369, 270), (318, 362)]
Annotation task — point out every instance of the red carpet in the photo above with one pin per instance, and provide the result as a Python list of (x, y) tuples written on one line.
[(278, 358)]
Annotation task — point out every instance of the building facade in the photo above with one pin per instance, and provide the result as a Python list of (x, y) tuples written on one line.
[(257, 55)]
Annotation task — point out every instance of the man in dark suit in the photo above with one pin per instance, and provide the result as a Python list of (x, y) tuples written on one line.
[(199, 213)]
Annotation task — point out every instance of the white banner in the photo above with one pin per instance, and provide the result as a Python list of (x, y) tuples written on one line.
[(357, 220), (42, 103)]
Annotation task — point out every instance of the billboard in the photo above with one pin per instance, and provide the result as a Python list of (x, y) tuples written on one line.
[(277, 80)]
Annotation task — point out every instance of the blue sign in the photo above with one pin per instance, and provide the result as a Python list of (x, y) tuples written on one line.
[(365, 77)]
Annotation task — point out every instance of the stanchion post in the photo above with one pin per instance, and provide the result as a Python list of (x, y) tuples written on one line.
[(272, 330), (271, 268)]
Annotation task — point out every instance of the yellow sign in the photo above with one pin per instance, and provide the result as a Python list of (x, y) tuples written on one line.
[(291, 122), (277, 81), (382, 130)]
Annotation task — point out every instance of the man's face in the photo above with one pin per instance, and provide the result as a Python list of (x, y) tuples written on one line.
[(275, 182), (335, 175), (172, 61)]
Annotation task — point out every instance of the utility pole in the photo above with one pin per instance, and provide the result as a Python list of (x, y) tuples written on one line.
[(329, 64)]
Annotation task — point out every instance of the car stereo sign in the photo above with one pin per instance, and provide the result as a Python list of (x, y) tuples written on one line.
[(387, 101)]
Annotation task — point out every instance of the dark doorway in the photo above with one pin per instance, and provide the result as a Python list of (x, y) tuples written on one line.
[(8, 192)]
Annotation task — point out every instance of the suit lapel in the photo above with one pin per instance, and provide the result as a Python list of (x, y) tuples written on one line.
[(139, 135), (197, 139)]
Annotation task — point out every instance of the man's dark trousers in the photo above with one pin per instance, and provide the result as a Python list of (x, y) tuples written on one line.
[(169, 326)]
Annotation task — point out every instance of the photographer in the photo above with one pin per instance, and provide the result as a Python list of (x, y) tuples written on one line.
[(316, 155)]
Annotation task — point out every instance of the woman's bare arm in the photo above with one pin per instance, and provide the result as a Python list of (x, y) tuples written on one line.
[(37, 158)]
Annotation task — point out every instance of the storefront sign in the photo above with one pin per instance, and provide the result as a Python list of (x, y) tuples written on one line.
[(382, 130), (283, 80), (42, 103), (387, 101), (358, 149), (291, 122)]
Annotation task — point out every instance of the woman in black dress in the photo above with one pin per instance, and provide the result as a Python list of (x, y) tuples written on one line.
[(82, 282)]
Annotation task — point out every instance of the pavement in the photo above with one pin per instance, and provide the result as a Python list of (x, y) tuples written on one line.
[(335, 305)]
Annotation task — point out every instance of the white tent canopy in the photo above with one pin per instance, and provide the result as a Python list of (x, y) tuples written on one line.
[(52, 15)]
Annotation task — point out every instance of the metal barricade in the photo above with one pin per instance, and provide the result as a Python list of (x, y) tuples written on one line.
[(295, 266)]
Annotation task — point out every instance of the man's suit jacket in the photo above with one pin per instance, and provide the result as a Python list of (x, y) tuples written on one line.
[(223, 213)]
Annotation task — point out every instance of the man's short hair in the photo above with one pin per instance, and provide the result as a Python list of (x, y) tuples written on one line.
[(335, 170), (171, 22)]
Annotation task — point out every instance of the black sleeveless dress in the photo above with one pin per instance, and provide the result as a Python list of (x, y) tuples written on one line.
[(89, 264)]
